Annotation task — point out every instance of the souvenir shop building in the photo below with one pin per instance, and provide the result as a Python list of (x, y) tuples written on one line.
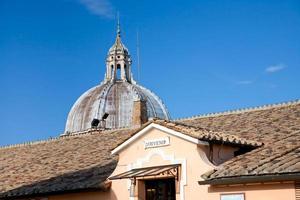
[(120, 143)]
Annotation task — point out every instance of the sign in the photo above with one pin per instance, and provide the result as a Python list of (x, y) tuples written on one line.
[(232, 197), (157, 142)]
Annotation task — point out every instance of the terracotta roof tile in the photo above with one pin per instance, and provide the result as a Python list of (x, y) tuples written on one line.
[(208, 135), (83, 161), (69, 163), (277, 126)]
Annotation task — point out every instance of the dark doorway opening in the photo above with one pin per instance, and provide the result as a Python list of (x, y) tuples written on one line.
[(160, 189)]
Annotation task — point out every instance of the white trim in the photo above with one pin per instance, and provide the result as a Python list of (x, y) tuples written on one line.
[(182, 161), (159, 127)]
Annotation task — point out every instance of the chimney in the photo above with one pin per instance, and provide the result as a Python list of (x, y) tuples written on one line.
[(139, 114)]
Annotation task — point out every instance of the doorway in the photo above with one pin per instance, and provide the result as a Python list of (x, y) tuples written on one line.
[(160, 189)]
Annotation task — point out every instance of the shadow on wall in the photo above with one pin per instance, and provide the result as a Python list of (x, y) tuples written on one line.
[(91, 179)]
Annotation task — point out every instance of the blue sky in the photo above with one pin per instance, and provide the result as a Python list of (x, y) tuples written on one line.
[(198, 56)]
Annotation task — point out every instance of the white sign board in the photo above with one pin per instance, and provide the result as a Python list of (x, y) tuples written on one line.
[(156, 142), (232, 197)]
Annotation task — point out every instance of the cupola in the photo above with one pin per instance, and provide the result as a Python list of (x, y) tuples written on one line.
[(127, 103)]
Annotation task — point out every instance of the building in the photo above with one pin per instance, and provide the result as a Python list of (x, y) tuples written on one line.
[(127, 103), (119, 143)]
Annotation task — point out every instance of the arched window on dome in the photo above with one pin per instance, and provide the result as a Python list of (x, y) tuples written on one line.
[(118, 73), (111, 70), (126, 70)]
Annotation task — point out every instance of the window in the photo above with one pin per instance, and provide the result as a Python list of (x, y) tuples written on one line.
[(118, 72), (126, 74), (112, 70), (160, 189), (232, 196)]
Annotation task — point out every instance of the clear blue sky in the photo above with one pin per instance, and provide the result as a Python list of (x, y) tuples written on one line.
[(198, 56)]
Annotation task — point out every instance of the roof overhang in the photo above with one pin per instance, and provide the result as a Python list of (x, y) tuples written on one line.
[(105, 186), (252, 179), (170, 170), (161, 128)]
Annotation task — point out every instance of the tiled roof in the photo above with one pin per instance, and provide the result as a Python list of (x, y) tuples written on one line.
[(65, 164), (78, 161), (277, 126), (83, 161), (208, 135)]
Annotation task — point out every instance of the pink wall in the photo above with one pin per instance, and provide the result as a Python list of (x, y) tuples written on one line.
[(85, 196), (195, 162), (259, 191), (192, 157)]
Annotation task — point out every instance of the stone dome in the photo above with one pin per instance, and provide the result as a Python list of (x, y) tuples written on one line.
[(126, 103), (117, 99)]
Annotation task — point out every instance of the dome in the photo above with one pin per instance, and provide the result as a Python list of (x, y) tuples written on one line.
[(117, 99), (126, 103)]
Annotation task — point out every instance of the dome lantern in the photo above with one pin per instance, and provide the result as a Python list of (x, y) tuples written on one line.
[(118, 61), (127, 103)]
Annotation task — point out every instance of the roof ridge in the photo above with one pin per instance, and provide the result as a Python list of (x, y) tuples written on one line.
[(56, 138), (30, 143), (62, 136), (93, 129), (242, 110)]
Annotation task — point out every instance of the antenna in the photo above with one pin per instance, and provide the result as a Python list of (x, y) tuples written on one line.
[(138, 53), (118, 24)]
